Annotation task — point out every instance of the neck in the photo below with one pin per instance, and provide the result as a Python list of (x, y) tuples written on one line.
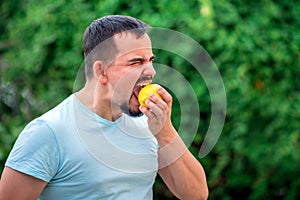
[(92, 97)]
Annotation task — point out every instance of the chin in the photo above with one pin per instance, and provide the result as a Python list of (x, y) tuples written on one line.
[(131, 112), (135, 114)]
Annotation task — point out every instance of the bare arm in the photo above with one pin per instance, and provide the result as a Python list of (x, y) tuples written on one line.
[(17, 185), (181, 172)]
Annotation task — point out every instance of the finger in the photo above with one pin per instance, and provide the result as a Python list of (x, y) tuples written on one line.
[(150, 113), (144, 110), (165, 95), (157, 101), (154, 108)]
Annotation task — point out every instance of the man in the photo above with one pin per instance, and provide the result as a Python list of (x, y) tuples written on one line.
[(99, 143)]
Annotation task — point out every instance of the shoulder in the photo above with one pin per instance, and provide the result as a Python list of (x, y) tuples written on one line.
[(44, 128), (34, 130), (59, 112), (36, 135)]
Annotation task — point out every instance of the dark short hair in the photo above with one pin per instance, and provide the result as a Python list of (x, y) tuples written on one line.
[(98, 37)]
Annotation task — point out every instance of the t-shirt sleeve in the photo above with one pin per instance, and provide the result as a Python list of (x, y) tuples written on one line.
[(35, 152)]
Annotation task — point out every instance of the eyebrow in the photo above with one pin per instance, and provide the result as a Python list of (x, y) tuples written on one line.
[(140, 59)]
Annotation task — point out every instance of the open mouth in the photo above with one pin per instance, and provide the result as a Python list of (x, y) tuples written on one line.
[(142, 82)]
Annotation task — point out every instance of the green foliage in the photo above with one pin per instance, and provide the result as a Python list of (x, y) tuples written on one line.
[(254, 44)]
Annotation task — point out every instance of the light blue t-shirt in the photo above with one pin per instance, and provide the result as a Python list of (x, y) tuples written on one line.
[(83, 156)]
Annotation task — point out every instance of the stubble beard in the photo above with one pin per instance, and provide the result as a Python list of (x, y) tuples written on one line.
[(127, 110)]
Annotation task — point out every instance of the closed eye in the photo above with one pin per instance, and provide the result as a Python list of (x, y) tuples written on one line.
[(136, 61), (140, 60)]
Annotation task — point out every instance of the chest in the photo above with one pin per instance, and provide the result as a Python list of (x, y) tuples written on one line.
[(104, 159)]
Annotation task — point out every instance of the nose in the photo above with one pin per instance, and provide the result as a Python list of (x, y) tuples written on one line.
[(149, 70)]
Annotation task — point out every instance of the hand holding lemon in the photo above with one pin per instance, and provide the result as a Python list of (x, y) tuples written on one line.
[(146, 91), (158, 110)]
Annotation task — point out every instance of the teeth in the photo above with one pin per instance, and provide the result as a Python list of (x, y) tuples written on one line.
[(142, 84)]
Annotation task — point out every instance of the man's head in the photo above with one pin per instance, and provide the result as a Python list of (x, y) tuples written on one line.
[(118, 55), (98, 38)]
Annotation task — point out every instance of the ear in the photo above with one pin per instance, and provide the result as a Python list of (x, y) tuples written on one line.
[(99, 73)]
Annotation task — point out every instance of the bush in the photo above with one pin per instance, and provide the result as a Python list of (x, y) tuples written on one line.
[(254, 44)]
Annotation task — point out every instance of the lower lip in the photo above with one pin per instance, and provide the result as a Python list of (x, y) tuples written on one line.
[(134, 99)]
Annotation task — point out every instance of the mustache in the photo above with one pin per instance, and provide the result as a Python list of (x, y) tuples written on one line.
[(144, 78)]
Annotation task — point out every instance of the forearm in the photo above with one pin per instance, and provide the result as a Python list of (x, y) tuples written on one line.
[(183, 174), (186, 178)]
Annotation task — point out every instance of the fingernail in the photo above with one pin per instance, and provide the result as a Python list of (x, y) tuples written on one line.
[(147, 102)]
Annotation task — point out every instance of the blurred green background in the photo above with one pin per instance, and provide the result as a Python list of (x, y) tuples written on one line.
[(255, 45)]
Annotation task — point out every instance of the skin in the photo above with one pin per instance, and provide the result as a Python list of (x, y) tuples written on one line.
[(111, 88)]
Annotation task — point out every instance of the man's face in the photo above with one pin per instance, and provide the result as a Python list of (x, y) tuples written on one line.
[(130, 71)]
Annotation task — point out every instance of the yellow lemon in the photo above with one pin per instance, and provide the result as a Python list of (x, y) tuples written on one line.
[(146, 91)]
